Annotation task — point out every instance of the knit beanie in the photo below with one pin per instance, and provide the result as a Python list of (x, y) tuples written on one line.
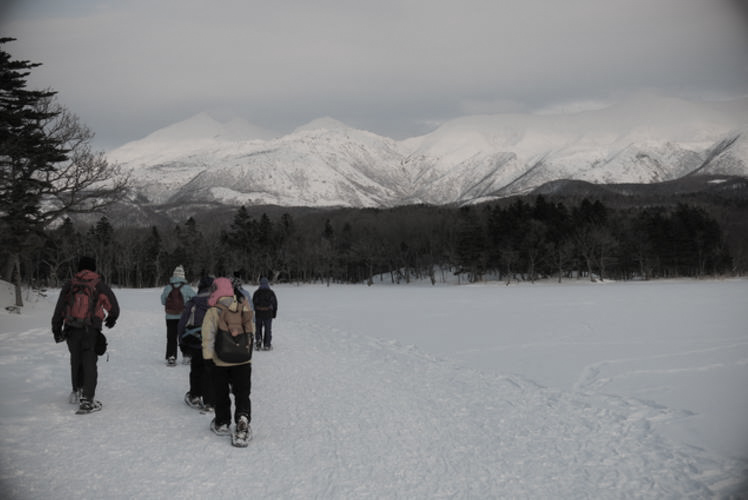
[(205, 284), (178, 272), (86, 263)]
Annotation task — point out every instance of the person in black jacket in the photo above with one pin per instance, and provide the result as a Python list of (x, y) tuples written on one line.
[(266, 308), (81, 334)]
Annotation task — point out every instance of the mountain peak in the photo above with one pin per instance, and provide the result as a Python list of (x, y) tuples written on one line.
[(324, 123), (193, 134), (203, 126)]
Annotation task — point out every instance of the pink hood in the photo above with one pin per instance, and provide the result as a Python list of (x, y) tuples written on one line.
[(221, 288)]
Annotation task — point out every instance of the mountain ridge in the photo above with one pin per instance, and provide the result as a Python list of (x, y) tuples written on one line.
[(466, 160)]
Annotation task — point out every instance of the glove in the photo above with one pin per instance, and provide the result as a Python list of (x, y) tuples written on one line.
[(59, 336), (110, 321)]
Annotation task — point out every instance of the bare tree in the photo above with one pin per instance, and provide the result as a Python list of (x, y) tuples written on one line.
[(82, 182), (86, 182)]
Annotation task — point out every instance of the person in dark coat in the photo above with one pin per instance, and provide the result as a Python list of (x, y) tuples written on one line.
[(81, 337), (266, 308), (189, 329)]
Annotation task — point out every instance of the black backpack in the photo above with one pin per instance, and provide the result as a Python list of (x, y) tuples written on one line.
[(233, 344)]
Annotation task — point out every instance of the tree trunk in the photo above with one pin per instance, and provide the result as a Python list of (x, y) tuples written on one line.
[(17, 279)]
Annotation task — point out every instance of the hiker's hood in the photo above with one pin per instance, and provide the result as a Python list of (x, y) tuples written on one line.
[(230, 302), (221, 288)]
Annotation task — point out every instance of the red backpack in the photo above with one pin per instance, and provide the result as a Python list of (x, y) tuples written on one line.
[(175, 300), (81, 302)]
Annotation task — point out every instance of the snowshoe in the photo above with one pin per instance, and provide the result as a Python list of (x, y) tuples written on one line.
[(242, 433), (221, 430), (87, 407), (195, 402)]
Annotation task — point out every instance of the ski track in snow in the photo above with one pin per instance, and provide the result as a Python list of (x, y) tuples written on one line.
[(598, 375), (335, 415)]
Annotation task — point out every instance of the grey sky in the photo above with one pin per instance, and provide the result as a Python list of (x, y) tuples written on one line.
[(394, 67)]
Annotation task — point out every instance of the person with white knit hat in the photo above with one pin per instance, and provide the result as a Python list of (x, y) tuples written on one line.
[(174, 296)]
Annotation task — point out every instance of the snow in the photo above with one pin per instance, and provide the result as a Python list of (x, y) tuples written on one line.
[(572, 390)]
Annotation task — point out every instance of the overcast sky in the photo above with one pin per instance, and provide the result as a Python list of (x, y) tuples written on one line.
[(394, 67)]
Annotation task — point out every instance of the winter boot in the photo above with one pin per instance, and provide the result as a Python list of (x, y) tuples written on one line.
[(242, 433), (195, 402), (87, 406), (221, 430)]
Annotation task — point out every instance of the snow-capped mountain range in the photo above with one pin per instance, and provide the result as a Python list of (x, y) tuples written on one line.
[(475, 158)]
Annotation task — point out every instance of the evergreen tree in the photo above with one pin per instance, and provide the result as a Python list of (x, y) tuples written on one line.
[(47, 169), (471, 244), (152, 252), (27, 153)]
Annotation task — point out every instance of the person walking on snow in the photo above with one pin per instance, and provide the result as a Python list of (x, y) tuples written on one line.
[(200, 395), (81, 327), (235, 377), (239, 289), (266, 308), (173, 306)]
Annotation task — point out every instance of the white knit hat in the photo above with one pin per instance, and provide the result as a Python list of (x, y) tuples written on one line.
[(179, 272)]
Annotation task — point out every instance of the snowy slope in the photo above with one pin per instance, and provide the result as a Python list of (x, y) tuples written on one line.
[(311, 167), (642, 140), (385, 392)]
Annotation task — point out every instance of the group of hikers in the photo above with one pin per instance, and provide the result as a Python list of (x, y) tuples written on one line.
[(216, 329)]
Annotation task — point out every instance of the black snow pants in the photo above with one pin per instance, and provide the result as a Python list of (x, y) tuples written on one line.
[(83, 358), (239, 378), (201, 383)]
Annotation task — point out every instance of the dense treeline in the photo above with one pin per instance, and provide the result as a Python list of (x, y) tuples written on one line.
[(519, 239)]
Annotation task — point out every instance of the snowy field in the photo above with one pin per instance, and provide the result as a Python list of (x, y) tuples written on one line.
[(573, 390)]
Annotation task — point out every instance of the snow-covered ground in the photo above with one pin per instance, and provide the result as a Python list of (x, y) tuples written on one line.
[(573, 390)]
